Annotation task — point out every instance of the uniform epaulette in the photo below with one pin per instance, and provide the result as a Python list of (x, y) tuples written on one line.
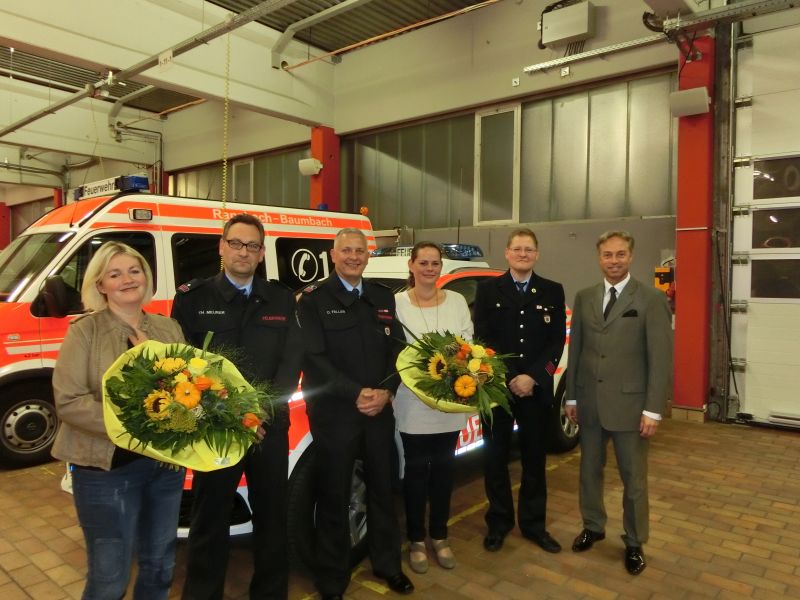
[(280, 283), (191, 285), (377, 283)]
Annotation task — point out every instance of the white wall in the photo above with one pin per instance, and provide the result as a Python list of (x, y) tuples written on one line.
[(471, 60), (194, 137)]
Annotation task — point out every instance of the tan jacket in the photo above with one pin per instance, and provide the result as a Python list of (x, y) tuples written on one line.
[(92, 343)]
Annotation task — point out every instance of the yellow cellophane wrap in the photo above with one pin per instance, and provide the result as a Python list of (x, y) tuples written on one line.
[(198, 456), (412, 375)]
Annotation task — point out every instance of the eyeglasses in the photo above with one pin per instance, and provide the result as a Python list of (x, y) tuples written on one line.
[(519, 250), (239, 244)]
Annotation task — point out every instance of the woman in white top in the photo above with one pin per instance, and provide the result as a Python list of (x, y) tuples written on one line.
[(429, 435)]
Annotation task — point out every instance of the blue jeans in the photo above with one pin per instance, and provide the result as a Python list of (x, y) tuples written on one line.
[(133, 508)]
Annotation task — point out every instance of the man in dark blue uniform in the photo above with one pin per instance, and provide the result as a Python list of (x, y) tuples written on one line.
[(350, 334), (522, 314), (250, 318)]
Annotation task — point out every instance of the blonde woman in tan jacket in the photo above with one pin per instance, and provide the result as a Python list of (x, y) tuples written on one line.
[(125, 502)]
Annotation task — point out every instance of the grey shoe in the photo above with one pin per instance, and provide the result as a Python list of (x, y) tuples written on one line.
[(417, 564), (444, 554)]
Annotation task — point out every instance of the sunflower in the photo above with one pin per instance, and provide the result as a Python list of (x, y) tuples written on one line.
[(187, 394), (157, 403), (465, 386), (436, 366)]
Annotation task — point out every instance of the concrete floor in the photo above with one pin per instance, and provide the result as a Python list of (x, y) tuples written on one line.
[(725, 512)]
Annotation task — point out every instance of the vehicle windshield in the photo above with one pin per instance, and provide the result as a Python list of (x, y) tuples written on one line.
[(24, 258)]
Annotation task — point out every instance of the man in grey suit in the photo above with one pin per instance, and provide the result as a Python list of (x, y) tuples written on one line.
[(620, 372)]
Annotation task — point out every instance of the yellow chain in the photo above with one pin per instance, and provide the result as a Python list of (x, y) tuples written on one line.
[(225, 130)]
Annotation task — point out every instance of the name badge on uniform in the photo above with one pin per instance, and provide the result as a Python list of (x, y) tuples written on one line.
[(547, 318)]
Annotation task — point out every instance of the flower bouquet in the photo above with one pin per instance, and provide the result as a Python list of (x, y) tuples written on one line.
[(181, 405), (453, 375)]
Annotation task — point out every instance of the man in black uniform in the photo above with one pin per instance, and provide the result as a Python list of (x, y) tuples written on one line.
[(522, 314), (250, 317), (351, 334)]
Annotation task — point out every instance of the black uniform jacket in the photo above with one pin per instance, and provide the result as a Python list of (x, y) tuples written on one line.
[(251, 331), (531, 326), (349, 343)]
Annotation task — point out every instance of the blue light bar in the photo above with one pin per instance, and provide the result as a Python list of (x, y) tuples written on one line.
[(131, 183), (451, 251)]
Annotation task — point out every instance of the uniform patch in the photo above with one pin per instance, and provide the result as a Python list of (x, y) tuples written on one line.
[(547, 318), (184, 288), (310, 288), (273, 317), (384, 314), (387, 331), (550, 368)]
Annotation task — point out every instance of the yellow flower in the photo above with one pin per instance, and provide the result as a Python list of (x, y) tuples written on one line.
[(197, 365), (187, 394), (478, 351), (461, 341), (474, 365), (465, 386), (436, 366), (157, 403), (169, 364), (181, 378)]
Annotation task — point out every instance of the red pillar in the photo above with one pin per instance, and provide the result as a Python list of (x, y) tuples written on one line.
[(58, 197), (693, 237), (325, 185), (5, 225)]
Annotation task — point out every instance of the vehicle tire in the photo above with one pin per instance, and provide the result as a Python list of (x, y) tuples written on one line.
[(302, 506), (563, 434), (28, 423)]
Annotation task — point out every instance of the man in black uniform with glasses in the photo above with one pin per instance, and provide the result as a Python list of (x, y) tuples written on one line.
[(250, 319)]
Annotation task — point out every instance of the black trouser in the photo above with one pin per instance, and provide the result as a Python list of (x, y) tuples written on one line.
[(428, 479), (266, 468), (531, 416), (338, 445)]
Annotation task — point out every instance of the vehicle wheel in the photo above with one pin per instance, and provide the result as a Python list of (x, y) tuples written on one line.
[(302, 506), (562, 433), (29, 424)]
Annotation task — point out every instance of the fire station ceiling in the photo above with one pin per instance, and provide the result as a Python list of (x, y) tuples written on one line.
[(334, 26)]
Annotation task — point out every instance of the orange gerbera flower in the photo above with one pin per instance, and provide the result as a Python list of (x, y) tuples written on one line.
[(187, 394), (465, 386), (251, 420), (490, 352), (201, 382)]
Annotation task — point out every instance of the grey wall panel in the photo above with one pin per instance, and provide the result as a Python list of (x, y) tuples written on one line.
[(570, 147), (650, 156), (436, 180), (386, 201), (462, 172), (411, 177), (536, 162), (608, 141)]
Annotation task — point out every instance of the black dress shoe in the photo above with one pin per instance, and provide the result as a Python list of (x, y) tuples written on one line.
[(586, 540), (493, 542), (634, 560), (398, 583), (544, 540)]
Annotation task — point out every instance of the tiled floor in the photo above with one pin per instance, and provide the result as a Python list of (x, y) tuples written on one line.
[(725, 512)]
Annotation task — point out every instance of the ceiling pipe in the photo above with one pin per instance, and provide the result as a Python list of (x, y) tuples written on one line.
[(328, 13), (92, 89), (388, 34)]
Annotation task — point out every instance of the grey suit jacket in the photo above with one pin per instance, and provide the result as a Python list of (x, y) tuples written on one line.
[(620, 366)]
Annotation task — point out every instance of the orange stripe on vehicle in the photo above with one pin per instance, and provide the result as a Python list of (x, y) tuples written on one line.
[(71, 213)]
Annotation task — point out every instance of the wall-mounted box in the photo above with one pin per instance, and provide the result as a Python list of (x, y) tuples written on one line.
[(566, 25)]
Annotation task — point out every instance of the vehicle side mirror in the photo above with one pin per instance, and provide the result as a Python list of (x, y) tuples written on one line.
[(56, 299)]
